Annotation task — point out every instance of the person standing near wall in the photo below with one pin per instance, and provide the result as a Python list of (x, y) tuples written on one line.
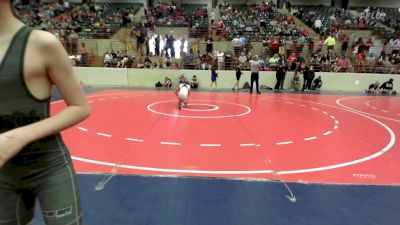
[(310, 77), (280, 76), (214, 76), (284, 64), (238, 75), (255, 70)]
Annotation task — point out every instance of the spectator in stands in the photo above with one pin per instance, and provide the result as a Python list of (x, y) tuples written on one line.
[(330, 42), (139, 40), (209, 44), (300, 43), (368, 44), (292, 59), (84, 52), (310, 45), (160, 64), (380, 64), (360, 62), (395, 45), (147, 41), (123, 59), (343, 64), (345, 45), (288, 45), (370, 59), (108, 59), (395, 59), (157, 45), (73, 39), (221, 28), (170, 46), (265, 44), (273, 61), (387, 87), (318, 25), (237, 45), (212, 17), (243, 59), (198, 13), (140, 63), (148, 63), (274, 45), (373, 88), (361, 25), (194, 82)]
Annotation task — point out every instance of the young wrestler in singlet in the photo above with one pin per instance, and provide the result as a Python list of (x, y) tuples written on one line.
[(182, 92)]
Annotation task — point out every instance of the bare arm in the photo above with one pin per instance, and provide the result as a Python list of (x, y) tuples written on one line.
[(59, 72)]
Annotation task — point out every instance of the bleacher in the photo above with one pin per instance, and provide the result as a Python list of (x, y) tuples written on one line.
[(252, 31), (308, 14), (89, 31)]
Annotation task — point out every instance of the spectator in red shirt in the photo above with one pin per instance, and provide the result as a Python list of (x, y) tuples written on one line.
[(274, 45), (292, 58), (310, 45), (304, 32), (361, 25), (198, 13), (360, 62), (178, 15), (369, 43), (343, 64)]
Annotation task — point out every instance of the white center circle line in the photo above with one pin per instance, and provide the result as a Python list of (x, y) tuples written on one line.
[(248, 110), (214, 107)]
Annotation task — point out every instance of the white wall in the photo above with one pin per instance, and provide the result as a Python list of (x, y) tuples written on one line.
[(101, 76), (350, 82)]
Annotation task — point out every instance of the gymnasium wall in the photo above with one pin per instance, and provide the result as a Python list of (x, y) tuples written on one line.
[(146, 78)]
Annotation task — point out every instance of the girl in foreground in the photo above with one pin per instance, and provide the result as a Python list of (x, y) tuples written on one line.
[(35, 164)]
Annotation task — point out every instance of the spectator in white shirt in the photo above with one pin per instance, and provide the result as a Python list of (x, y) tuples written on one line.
[(317, 25), (237, 45), (212, 17), (242, 59), (395, 45), (108, 58)]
